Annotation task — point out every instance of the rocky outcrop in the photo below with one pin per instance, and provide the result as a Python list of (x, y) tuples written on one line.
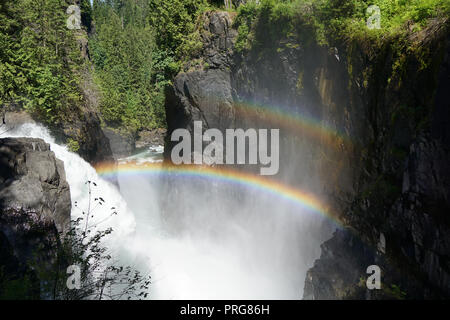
[(35, 207), (343, 260), (84, 128), (122, 145), (202, 92), (32, 179), (91, 142), (363, 126), (125, 144)]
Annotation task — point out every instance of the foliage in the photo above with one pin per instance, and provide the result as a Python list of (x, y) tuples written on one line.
[(336, 19), (86, 14), (17, 288), (123, 50), (83, 246), (246, 15), (38, 58), (395, 292), (73, 145), (137, 48), (175, 24)]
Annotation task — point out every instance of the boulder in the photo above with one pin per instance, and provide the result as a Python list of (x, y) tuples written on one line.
[(33, 179), (35, 208)]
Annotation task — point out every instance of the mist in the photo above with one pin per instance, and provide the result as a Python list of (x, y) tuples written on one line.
[(199, 238)]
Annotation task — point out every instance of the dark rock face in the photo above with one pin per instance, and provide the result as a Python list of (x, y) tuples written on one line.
[(420, 216), (35, 206), (85, 126), (121, 145), (203, 93), (410, 205), (206, 96), (218, 40), (94, 146), (337, 266), (386, 173)]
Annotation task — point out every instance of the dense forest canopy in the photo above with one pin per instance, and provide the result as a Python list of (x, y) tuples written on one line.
[(137, 46), (39, 58)]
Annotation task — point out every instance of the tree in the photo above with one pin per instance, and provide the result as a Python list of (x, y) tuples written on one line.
[(128, 66), (39, 59)]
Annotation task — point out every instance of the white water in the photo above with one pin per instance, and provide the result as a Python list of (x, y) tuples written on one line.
[(78, 172), (213, 242)]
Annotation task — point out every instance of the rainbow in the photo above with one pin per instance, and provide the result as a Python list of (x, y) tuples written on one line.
[(292, 121), (301, 199), (289, 119)]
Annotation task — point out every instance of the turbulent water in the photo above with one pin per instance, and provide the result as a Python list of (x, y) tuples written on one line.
[(199, 239)]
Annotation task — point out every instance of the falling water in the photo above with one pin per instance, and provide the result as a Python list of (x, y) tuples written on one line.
[(78, 172), (198, 239)]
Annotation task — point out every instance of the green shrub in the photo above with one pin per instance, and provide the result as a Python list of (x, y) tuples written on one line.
[(334, 19), (73, 145)]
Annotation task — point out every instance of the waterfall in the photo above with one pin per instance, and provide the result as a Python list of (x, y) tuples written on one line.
[(198, 240), (78, 172)]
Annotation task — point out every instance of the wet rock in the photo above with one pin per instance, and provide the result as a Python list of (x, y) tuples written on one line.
[(410, 207)]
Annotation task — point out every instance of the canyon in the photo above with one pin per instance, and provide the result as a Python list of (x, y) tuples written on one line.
[(363, 125)]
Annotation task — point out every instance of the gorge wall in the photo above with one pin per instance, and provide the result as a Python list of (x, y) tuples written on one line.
[(366, 129)]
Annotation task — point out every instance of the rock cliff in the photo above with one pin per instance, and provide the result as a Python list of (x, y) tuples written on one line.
[(377, 149), (202, 92)]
